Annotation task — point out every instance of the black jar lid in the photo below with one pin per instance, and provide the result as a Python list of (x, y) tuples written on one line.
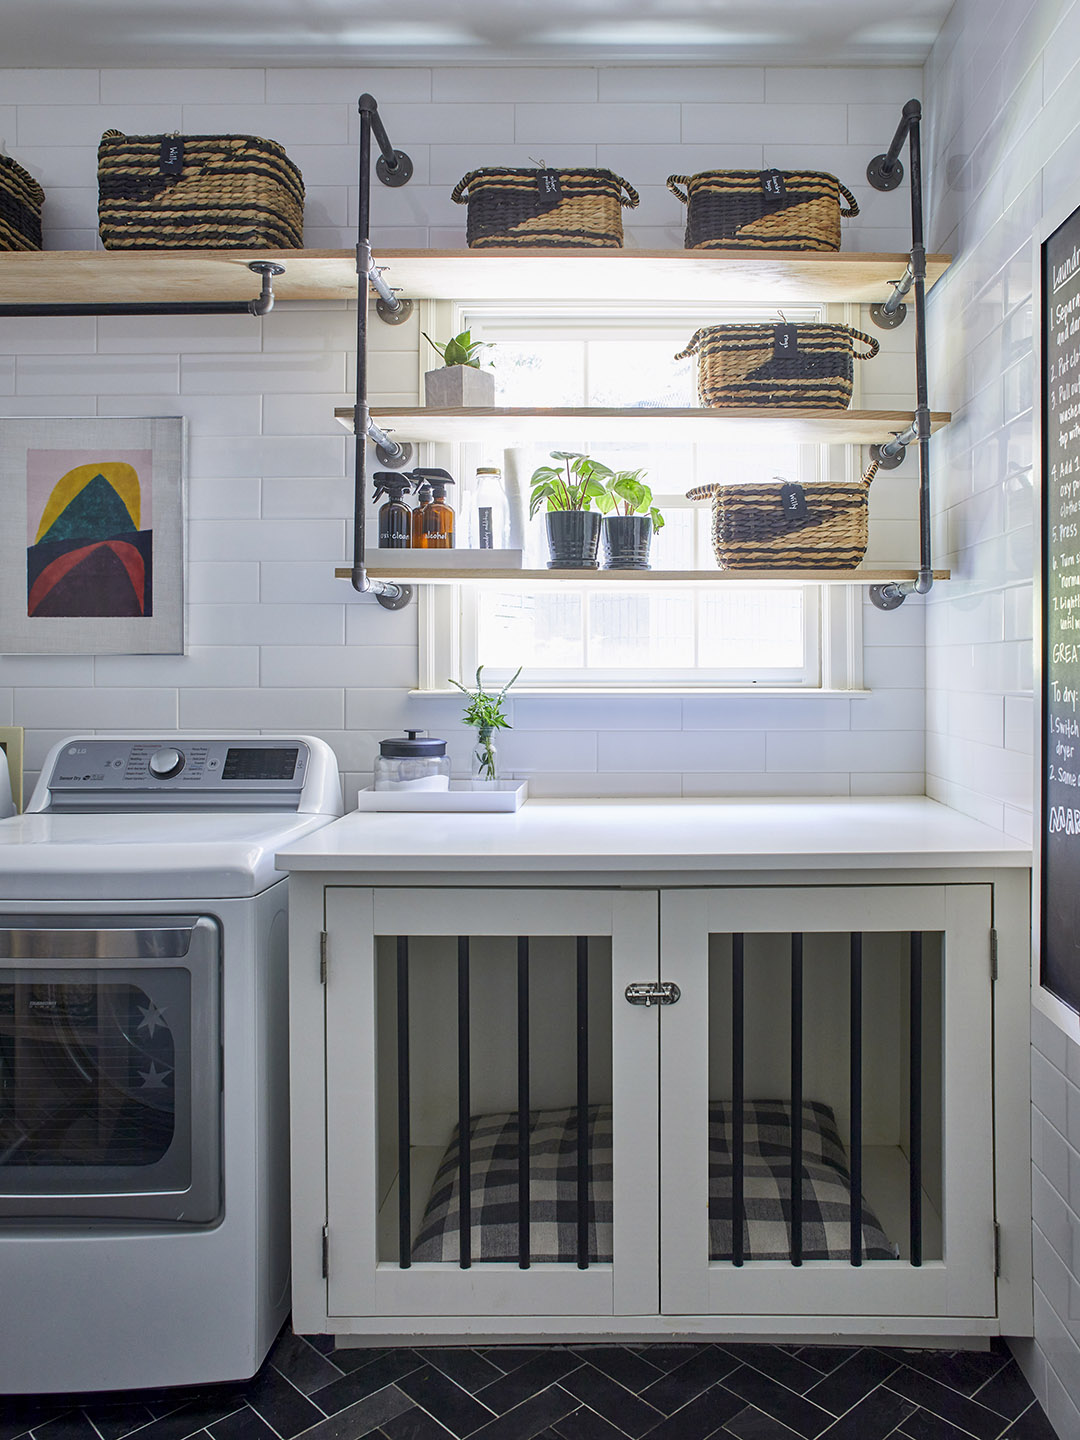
[(412, 748)]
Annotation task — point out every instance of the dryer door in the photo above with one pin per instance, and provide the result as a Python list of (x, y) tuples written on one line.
[(110, 1068)]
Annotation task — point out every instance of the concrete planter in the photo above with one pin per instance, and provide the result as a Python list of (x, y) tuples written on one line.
[(459, 387)]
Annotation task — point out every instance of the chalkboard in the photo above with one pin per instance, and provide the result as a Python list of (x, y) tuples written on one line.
[(1060, 598)]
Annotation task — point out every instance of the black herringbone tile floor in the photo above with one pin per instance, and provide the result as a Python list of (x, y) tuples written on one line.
[(308, 1390)]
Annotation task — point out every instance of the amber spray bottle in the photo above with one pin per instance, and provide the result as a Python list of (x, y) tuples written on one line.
[(395, 515), (433, 518)]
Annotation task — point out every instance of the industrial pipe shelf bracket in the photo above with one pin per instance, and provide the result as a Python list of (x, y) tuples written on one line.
[(394, 168), (261, 305), (885, 172)]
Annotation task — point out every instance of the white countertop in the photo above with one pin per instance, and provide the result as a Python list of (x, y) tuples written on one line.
[(565, 836)]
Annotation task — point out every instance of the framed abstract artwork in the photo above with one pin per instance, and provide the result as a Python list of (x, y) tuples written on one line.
[(92, 540)]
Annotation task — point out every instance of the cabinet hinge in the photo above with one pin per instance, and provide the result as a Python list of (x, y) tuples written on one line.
[(325, 1251), (997, 1249), (993, 955), (322, 956)]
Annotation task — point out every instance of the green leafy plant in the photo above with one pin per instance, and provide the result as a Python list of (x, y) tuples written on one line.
[(485, 713), (575, 486), (625, 493), (460, 349)]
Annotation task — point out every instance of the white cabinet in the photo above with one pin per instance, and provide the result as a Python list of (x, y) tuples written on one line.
[(843, 1026)]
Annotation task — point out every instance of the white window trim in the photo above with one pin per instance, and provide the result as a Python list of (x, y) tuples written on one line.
[(443, 609)]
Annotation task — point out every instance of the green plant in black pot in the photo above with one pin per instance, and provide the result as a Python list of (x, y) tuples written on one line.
[(630, 520), (567, 493)]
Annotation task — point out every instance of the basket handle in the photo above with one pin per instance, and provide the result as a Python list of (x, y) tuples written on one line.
[(691, 349), (458, 195), (869, 473), (853, 204), (867, 340), (673, 183), (701, 492), (631, 198)]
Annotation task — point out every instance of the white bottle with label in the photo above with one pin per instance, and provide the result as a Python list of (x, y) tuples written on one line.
[(491, 511)]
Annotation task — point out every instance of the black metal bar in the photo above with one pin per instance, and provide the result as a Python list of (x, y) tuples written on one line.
[(523, 1101), (915, 1100), (583, 1102), (368, 107), (922, 405), (911, 111), (404, 1158), (261, 305), (464, 1109), (855, 1054), (360, 581), (738, 1100), (796, 1098)]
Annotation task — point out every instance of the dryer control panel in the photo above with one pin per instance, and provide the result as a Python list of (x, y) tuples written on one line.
[(175, 771)]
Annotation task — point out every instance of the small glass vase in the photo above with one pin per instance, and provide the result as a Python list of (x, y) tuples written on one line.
[(485, 759)]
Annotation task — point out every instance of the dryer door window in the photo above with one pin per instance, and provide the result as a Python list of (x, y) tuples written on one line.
[(110, 1082)]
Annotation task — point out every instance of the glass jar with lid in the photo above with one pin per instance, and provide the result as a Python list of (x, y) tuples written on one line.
[(415, 762)]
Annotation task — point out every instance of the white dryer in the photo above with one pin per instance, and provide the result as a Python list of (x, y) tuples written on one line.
[(144, 1226)]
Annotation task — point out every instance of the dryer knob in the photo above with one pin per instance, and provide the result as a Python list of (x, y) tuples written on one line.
[(164, 764)]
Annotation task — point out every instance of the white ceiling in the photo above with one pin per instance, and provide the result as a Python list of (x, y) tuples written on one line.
[(167, 33)]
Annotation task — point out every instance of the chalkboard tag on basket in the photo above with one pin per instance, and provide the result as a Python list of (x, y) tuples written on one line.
[(549, 184), (793, 502), (171, 156), (772, 184), (785, 341)]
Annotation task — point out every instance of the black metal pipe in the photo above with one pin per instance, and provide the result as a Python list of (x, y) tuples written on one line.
[(796, 1098), (915, 1099), (464, 1110), (261, 305), (369, 109), (361, 415), (922, 405), (524, 1133), (404, 1140), (738, 1100), (911, 111), (855, 1058), (583, 1102)]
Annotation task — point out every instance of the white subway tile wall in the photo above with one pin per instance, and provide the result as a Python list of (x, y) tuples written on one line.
[(1000, 154), (275, 642)]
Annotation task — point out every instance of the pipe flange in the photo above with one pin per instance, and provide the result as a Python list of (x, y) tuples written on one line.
[(399, 459), (882, 179), (887, 462), (402, 172), (887, 319), (265, 267), (886, 597), (396, 315), (394, 597)]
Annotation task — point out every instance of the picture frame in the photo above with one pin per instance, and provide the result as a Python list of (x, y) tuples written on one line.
[(92, 549)]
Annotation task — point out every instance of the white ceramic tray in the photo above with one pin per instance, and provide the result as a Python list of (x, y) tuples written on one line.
[(480, 797)]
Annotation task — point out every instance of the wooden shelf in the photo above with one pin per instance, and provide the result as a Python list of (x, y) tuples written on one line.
[(85, 276), (453, 574), (562, 427)]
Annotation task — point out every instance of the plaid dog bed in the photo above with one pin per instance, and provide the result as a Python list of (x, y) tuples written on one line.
[(493, 1146)]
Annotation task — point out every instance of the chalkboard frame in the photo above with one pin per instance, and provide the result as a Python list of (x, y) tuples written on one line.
[(1061, 1004)]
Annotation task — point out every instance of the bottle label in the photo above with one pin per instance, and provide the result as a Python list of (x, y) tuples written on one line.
[(485, 531)]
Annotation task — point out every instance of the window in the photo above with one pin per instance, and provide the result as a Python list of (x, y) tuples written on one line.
[(637, 636)]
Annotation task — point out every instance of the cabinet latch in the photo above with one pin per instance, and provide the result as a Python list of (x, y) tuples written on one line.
[(653, 992)]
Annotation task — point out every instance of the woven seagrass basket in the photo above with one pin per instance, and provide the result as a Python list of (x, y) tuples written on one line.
[(763, 209), (554, 209), (777, 367), (777, 526), (198, 192), (21, 199)]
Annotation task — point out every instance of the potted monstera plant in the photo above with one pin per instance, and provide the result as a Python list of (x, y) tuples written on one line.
[(460, 382), (567, 492), (630, 520)]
